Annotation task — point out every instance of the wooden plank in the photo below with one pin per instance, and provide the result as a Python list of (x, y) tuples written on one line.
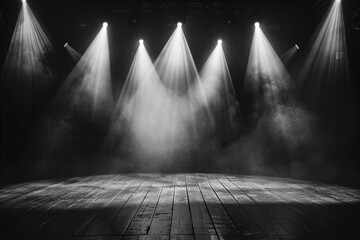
[(182, 206), (246, 225), (124, 216), (161, 222), (71, 208), (279, 210), (200, 216), (265, 222), (11, 193), (141, 222), (33, 211), (181, 218), (109, 191), (305, 201), (100, 222), (147, 237), (224, 226)]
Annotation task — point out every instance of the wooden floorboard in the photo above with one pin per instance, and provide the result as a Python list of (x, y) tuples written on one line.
[(178, 206)]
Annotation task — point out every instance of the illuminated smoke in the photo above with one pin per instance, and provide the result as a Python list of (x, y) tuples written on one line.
[(88, 85), (325, 74), (30, 68), (142, 112), (275, 115), (220, 98), (75, 55), (288, 55)]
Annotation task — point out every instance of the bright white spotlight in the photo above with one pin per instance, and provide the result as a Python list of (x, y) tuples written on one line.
[(23, 1), (338, 1), (66, 44), (105, 24), (141, 41), (257, 24), (179, 24), (297, 46), (219, 41)]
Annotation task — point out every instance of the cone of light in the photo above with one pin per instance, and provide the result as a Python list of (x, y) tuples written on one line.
[(145, 108), (31, 65), (178, 73), (327, 59), (220, 95), (273, 107), (288, 55), (75, 55), (89, 83)]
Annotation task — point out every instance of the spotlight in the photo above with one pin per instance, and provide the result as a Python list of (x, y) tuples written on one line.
[(219, 41), (257, 24), (141, 41), (66, 44), (23, 1), (297, 46), (338, 1), (105, 24), (179, 24)]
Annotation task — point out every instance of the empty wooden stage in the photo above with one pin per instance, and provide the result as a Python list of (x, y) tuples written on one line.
[(178, 206)]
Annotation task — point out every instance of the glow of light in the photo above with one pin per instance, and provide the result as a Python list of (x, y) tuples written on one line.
[(178, 73), (326, 64), (338, 1), (219, 41), (179, 24), (143, 108), (75, 55), (220, 95), (270, 87), (257, 24), (89, 83), (158, 104), (23, 1), (105, 24), (31, 65), (141, 41), (288, 55), (297, 46)]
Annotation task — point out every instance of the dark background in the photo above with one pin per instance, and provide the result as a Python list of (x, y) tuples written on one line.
[(285, 23)]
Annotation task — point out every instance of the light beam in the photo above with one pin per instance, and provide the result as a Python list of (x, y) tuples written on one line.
[(220, 95), (31, 67), (143, 112), (88, 86), (288, 55), (271, 106), (325, 74), (178, 73), (75, 55)]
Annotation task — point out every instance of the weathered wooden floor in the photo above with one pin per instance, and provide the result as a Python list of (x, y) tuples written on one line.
[(179, 206)]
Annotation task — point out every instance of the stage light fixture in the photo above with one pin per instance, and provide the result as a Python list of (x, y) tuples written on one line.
[(179, 24), (257, 24), (219, 41), (66, 44), (141, 41), (105, 24), (297, 46)]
